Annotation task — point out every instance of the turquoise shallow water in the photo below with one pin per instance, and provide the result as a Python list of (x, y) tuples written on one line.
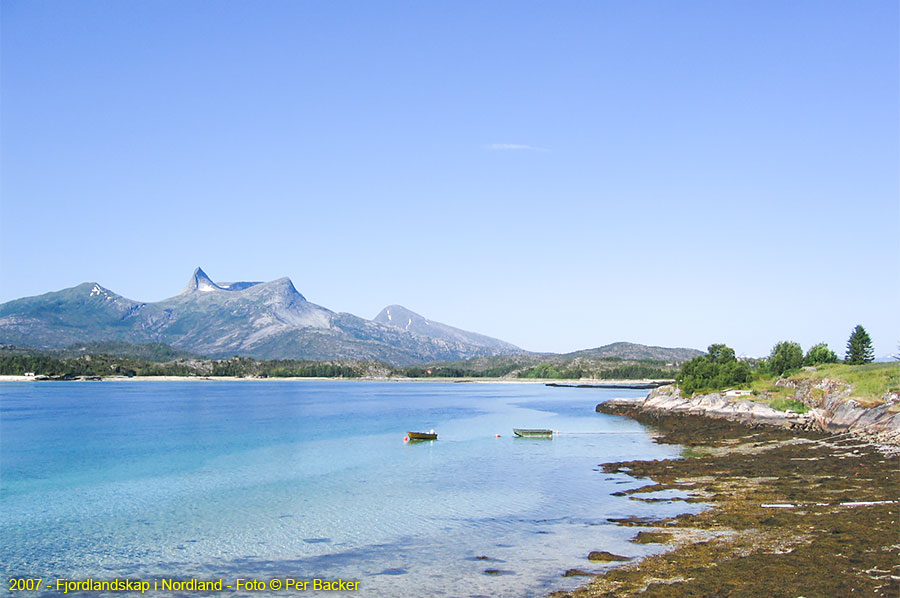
[(313, 479)]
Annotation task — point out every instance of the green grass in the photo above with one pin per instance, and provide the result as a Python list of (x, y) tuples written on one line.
[(766, 385), (776, 397), (869, 381)]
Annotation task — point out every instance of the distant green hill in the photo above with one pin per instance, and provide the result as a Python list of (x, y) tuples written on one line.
[(634, 351), (625, 361)]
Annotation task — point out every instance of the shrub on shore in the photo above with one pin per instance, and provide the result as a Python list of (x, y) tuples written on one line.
[(716, 370), (819, 354), (786, 356)]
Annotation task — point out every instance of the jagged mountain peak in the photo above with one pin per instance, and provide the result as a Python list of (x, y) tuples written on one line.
[(200, 282), (269, 320)]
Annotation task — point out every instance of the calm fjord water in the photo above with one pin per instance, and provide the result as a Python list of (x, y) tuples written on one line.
[(312, 479)]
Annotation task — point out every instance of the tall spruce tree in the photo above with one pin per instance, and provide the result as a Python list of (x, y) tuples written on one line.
[(859, 347)]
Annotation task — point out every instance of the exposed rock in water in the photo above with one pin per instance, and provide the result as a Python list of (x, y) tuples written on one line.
[(484, 558), (578, 572), (652, 538), (603, 556)]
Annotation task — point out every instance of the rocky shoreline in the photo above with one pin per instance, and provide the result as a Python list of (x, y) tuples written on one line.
[(830, 409), (795, 511)]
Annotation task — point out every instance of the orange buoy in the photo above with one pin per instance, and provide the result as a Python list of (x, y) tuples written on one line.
[(406, 439), (496, 436)]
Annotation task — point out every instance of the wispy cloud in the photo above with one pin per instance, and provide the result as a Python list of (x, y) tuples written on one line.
[(516, 146)]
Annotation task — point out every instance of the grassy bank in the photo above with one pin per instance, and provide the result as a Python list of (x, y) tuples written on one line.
[(869, 381), (868, 384)]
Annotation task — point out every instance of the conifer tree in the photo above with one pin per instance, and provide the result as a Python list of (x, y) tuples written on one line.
[(859, 347)]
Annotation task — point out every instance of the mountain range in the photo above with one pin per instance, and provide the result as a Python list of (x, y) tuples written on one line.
[(264, 320)]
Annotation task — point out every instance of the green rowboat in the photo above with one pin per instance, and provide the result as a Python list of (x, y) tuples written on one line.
[(522, 433), (421, 435)]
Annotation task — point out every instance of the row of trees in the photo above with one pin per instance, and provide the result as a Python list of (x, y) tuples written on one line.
[(609, 369), (719, 368), (788, 355), (72, 363), (613, 371), (112, 365)]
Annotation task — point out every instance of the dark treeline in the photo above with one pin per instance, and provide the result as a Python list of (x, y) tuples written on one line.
[(457, 371), (609, 369), (112, 365), (244, 366), (58, 364), (621, 371)]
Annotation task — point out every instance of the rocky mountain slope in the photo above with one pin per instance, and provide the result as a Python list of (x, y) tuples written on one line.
[(265, 320), (269, 320), (404, 319)]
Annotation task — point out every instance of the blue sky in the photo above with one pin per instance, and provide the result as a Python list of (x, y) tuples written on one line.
[(558, 174)]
